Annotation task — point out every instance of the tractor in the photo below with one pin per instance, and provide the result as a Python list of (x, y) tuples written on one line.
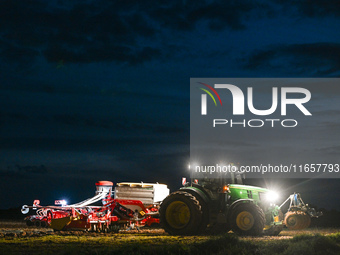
[(226, 204)]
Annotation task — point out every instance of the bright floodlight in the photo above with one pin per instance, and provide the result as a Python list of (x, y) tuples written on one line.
[(193, 165), (62, 202), (272, 196)]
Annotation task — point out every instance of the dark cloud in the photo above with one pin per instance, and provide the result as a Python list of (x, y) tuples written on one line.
[(128, 31), (11, 53), (32, 169), (169, 130), (16, 116), (184, 15), (222, 14), (163, 168), (87, 143), (318, 59), (107, 53), (315, 8), (85, 33), (24, 171), (105, 31), (116, 123)]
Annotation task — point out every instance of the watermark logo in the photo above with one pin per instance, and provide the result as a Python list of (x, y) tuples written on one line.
[(271, 126), (294, 96), (238, 99), (204, 97)]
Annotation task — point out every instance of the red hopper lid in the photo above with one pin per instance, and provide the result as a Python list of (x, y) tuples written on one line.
[(104, 183)]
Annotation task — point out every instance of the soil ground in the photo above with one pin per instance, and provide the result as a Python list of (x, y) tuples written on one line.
[(17, 238)]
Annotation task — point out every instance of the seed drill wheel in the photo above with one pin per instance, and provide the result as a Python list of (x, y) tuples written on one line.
[(43, 224), (29, 223), (181, 214), (297, 220), (247, 219)]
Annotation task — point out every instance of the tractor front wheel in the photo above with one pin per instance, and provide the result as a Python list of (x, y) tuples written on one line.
[(180, 214), (247, 219)]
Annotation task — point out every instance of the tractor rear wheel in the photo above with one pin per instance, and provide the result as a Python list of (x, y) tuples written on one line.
[(205, 212), (181, 214), (247, 219)]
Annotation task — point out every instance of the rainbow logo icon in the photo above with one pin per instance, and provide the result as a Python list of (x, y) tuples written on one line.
[(204, 97)]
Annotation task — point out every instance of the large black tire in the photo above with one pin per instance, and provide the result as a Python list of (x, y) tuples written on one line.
[(247, 219), (181, 214), (43, 224), (205, 211), (29, 223), (37, 223)]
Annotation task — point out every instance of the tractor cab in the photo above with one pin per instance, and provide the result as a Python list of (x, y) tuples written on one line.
[(221, 179)]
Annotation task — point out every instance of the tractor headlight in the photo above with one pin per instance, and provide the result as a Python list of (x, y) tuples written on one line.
[(272, 196)]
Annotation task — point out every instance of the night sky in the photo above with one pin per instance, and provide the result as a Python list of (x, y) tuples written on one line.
[(99, 90)]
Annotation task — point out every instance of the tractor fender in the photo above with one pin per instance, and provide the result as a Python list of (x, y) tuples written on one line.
[(197, 193), (236, 203)]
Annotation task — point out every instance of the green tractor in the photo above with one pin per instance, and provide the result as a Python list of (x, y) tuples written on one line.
[(246, 210)]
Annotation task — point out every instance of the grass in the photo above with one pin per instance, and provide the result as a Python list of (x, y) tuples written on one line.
[(115, 244), (164, 244), (44, 241), (302, 245)]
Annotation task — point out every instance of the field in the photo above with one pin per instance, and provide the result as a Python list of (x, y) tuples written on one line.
[(16, 238)]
